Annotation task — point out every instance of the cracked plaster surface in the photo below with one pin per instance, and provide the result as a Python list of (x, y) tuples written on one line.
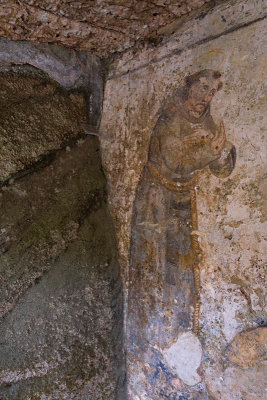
[(232, 212)]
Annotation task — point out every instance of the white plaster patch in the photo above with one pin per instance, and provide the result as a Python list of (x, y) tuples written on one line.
[(184, 358), (231, 325), (238, 211)]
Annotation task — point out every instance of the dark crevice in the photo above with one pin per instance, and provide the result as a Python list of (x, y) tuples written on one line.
[(44, 161), (61, 240)]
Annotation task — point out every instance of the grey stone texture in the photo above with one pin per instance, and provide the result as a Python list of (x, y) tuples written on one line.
[(61, 297), (60, 290), (37, 117)]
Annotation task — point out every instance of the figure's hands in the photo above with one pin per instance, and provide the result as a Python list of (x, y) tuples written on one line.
[(199, 136), (218, 142)]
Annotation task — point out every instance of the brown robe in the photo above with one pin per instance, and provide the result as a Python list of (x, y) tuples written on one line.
[(161, 281)]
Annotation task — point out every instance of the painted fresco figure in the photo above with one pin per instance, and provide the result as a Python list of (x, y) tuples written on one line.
[(161, 303)]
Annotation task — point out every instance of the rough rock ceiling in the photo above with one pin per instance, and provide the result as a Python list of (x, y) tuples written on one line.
[(101, 27)]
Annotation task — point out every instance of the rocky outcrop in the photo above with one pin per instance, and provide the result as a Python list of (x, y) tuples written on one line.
[(61, 297), (101, 28)]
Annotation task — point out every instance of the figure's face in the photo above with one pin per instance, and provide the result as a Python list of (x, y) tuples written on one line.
[(201, 93)]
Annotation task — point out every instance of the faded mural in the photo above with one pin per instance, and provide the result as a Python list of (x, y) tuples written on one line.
[(165, 250), (190, 216)]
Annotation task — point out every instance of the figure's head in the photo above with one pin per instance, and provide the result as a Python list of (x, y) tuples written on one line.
[(201, 87)]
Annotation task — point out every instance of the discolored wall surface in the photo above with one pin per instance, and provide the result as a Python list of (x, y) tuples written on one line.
[(61, 298), (231, 211)]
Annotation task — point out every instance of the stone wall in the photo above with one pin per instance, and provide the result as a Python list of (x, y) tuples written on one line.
[(231, 211), (61, 297)]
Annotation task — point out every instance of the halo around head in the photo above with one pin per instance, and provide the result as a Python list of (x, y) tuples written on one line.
[(212, 59)]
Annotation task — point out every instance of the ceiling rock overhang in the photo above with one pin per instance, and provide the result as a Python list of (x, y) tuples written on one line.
[(101, 27)]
